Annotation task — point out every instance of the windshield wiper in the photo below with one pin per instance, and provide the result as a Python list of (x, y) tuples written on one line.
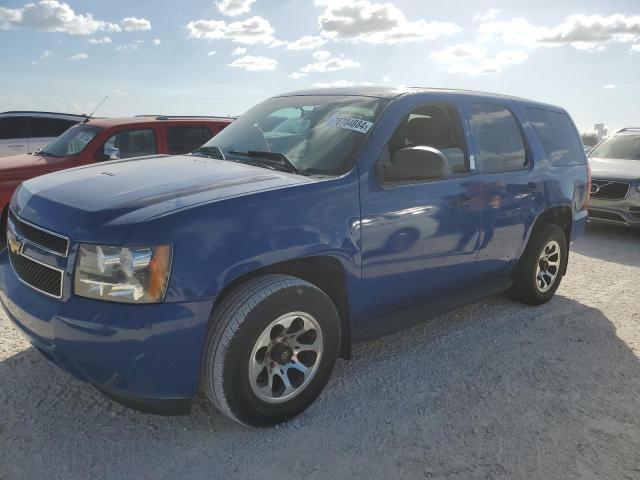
[(211, 152), (273, 159)]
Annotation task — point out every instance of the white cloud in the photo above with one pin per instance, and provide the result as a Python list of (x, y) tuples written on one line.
[(53, 16), (321, 55), (458, 53), (97, 41), (386, 79), (325, 63), (133, 24), (469, 59), (609, 86), (45, 54), (341, 84), (238, 51), (79, 56), (9, 17), (371, 22), (211, 53), (487, 16), (278, 43), (251, 31), (635, 48), (332, 64), (233, 8), (156, 41), (308, 42), (131, 46), (583, 32), (254, 64)]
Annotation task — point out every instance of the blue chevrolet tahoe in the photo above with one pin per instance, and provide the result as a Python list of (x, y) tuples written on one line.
[(319, 218)]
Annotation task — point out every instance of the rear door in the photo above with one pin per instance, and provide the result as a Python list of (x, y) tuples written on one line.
[(43, 130), (511, 193), (13, 136), (186, 138)]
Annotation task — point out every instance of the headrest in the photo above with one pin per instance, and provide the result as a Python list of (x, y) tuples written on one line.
[(418, 130)]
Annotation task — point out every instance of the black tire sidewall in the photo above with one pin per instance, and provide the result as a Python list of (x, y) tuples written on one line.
[(242, 401), (541, 240)]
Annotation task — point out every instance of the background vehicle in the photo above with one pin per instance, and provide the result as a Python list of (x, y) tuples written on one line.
[(100, 139), (316, 219), (26, 132), (615, 191)]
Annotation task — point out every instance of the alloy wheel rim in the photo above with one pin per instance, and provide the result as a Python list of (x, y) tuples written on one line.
[(548, 266), (285, 357)]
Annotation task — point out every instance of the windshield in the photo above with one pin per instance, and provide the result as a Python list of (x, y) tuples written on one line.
[(72, 141), (307, 134), (625, 146)]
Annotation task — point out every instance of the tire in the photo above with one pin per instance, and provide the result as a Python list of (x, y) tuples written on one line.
[(232, 354), (527, 287)]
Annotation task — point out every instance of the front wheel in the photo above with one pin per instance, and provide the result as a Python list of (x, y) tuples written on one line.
[(541, 267), (271, 348)]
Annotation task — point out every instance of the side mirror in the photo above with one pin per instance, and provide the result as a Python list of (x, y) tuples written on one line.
[(420, 163), (111, 153)]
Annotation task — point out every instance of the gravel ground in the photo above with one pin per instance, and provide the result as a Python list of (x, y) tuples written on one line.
[(494, 390)]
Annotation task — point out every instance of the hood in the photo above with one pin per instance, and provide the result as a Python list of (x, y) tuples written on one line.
[(102, 202), (615, 169), (25, 165)]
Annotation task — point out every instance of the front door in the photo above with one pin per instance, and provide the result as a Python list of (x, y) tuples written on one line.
[(420, 230)]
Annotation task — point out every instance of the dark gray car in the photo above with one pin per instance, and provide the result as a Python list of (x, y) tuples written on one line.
[(615, 188)]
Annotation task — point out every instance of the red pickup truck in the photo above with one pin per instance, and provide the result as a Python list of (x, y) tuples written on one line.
[(101, 139)]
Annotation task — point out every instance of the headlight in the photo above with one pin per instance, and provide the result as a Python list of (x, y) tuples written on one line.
[(123, 274)]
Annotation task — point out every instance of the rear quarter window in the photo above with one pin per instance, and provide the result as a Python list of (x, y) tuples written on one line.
[(558, 136)]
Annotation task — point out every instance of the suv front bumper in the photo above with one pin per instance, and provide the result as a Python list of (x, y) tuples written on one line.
[(145, 356), (620, 212)]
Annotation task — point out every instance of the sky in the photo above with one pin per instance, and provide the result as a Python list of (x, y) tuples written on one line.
[(220, 57)]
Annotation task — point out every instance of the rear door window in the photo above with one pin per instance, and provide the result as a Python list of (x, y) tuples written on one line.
[(558, 136), (133, 143), (12, 127), (500, 145), (186, 138), (48, 127)]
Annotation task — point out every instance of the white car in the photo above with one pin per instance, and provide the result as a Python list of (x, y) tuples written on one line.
[(26, 132)]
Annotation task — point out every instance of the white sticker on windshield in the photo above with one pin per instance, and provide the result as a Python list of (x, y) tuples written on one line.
[(354, 124), (84, 137)]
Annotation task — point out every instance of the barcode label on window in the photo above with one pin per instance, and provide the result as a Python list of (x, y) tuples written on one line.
[(354, 124)]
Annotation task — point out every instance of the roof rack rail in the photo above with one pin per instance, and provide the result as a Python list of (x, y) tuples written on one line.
[(171, 117), (22, 112)]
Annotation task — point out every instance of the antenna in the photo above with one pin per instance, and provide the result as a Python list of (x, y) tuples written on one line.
[(96, 109)]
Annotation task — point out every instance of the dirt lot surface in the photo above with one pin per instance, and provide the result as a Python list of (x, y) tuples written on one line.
[(494, 390)]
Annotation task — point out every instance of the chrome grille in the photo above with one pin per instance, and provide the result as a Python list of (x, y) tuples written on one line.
[(40, 277), (609, 189), (44, 278), (45, 239)]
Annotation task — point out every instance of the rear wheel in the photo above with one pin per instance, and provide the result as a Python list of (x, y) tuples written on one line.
[(541, 267), (270, 350)]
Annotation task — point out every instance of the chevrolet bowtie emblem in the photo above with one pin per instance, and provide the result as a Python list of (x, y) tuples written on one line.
[(14, 244)]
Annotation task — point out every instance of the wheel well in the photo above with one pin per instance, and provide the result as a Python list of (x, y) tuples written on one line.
[(326, 273), (561, 216)]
